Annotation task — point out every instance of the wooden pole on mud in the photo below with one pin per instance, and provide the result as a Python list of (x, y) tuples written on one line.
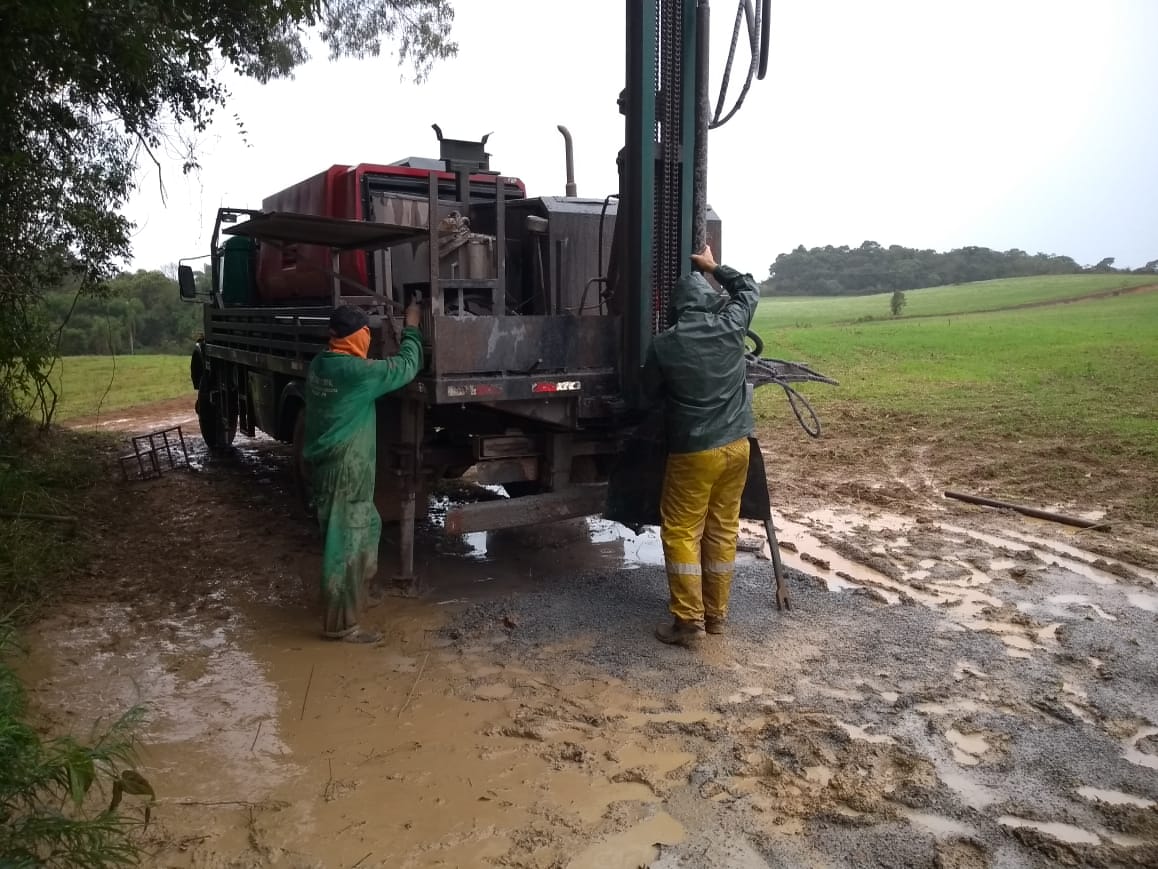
[(1028, 511)]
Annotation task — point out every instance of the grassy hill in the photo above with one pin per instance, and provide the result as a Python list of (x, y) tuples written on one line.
[(935, 301), (1049, 399)]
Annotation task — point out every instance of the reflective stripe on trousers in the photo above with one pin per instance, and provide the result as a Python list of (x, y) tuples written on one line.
[(700, 510)]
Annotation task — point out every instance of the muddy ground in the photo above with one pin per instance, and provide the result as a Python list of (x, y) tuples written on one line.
[(953, 687)]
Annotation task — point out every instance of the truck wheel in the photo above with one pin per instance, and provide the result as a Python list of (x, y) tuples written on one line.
[(196, 366), (301, 468), (218, 428)]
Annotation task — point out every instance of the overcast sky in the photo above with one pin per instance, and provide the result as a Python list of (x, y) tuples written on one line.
[(1005, 123)]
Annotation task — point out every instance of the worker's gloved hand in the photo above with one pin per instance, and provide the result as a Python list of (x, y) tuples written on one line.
[(413, 315), (704, 261)]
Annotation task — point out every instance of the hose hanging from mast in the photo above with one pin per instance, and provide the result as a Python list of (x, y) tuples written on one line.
[(759, 28)]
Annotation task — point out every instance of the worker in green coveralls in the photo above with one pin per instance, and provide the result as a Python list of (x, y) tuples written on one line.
[(342, 387)]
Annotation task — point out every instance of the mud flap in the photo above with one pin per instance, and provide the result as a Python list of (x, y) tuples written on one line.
[(636, 481)]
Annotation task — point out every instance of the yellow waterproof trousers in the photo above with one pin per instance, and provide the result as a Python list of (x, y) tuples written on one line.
[(700, 510)]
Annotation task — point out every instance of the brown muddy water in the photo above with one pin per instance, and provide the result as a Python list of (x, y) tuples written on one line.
[(950, 689)]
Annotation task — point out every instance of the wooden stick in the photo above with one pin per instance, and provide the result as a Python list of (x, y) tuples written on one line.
[(309, 682), (256, 735), (1029, 511), (417, 678)]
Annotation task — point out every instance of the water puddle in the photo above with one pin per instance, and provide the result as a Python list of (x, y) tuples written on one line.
[(1067, 833), (1079, 561), (209, 703), (938, 825), (807, 546), (1135, 755), (663, 762), (844, 520), (1115, 798), (638, 550), (632, 848), (1143, 601), (1066, 601), (949, 707), (968, 748), (589, 800), (856, 731), (1084, 556), (1017, 642), (972, 793)]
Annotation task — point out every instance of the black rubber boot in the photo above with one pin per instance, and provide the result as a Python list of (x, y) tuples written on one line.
[(677, 632)]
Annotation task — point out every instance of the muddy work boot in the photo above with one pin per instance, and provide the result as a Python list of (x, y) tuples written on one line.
[(714, 624), (354, 635), (678, 632)]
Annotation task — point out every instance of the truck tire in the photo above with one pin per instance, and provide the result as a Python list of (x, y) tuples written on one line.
[(196, 365), (300, 467), (218, 426)]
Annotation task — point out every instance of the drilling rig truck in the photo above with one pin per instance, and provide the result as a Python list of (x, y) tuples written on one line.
[(537, 311)]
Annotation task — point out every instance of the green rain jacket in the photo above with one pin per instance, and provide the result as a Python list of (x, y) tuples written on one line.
[(340, 395), (341, 448), (696, 367)]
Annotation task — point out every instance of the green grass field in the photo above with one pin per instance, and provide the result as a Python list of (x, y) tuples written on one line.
[(82, 381), (939, 301), (1088, 368)]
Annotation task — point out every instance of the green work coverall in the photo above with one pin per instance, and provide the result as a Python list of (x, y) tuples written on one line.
[(696, 368), (341, 449)]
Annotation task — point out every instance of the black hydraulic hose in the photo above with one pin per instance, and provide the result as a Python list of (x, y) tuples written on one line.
[(755, 19), (758, 350), (765, 38)]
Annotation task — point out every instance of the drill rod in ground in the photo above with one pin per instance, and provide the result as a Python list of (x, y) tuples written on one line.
[(782, 602)]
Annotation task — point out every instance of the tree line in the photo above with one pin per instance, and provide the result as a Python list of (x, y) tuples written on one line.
[(139, 312), (872, 268)]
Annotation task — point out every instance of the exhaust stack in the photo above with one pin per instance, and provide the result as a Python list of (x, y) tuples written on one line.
[(570, 150)]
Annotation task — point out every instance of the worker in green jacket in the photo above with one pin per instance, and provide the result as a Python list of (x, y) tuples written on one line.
[(696, 368), (342, 387)]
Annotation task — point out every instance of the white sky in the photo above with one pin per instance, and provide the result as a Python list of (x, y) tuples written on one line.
[(925, 123)]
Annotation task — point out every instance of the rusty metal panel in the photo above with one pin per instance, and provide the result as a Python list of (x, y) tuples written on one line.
[(572, 503), (523, 345)]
